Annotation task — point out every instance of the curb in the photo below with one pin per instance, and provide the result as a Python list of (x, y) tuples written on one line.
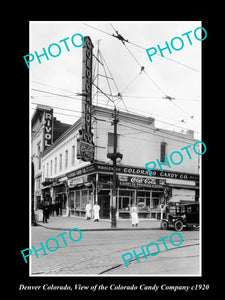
[(100, 229)]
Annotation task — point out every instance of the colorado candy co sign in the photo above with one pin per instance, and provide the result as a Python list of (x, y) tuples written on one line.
[(105, 168), (157, 173)]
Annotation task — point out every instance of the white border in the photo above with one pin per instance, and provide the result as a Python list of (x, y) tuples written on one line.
[(30, 175)]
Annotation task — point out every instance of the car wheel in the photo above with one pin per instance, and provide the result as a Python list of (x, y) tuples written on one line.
[(178, 225), (164, 225)]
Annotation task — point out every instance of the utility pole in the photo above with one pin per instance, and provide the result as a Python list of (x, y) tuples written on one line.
[(113, 156)]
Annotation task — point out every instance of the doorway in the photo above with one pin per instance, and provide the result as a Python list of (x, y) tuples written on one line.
[(104, 203)]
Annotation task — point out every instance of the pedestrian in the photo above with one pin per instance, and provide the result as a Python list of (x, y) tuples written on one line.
[(96, 209), (57, 207), (45, 212), (88, 211), (134, 215)]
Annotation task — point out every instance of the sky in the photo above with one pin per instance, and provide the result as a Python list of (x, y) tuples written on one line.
[(56, 82)]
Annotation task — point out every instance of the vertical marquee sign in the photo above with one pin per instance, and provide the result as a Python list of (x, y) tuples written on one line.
[(85, 145), (48, 128)]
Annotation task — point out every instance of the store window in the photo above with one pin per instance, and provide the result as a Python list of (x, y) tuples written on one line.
[(126, 199), (72, 200), (83, 199), (143, 200), (77, 200), (155, 200)]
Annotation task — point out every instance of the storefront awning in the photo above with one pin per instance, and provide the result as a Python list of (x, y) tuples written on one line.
[(75, 185), (45, 187)]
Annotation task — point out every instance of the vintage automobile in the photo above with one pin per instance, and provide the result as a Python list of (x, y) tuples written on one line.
[(180, 216)]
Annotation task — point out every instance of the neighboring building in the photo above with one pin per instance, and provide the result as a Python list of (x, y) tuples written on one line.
[(42, 136), (70, 182)]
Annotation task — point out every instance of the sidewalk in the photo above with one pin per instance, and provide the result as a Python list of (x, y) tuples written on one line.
[(67, 223)]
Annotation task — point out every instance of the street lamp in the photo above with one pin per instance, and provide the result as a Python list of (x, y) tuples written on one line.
[(114, 157)]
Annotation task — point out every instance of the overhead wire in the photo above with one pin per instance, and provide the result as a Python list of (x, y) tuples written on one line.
[(104, 63), (65, 96), (66, 109), (38, 82), (59, 113), (142, 68), (166, 97), (153, 131), (141, 47), (130, 83), (55, 94)]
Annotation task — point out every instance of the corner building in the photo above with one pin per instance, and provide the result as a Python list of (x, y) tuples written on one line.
[(74, 182)]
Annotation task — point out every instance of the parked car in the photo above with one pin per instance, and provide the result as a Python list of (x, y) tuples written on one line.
[(180, 216)]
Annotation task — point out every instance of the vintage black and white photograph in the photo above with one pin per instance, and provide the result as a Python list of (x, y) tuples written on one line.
[(115, 148)]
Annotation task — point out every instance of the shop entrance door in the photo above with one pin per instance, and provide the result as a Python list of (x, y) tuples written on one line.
[(104, 203)]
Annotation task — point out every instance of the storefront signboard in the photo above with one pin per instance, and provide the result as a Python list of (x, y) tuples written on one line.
[(124, 170), (77, 180), (144, 172)]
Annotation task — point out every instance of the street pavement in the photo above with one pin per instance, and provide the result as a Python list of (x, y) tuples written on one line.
[(100, 250)]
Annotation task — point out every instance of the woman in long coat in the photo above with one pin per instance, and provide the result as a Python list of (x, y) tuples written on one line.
[(88, 211), (134, 215)]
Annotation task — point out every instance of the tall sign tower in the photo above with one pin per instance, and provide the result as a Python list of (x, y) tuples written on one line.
[(85, 144)]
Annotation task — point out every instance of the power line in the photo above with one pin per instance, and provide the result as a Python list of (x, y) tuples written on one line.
[(66, 109), (142, 68), (151, 97), (145, 112), (154, 133), (56, 94), (71, 110), (52, 86), (58, 113), (141, 47)]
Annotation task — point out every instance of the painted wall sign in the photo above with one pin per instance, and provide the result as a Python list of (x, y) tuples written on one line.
[(141, 181), (85, 145)]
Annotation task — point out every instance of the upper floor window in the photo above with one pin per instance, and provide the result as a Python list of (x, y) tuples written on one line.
[(66, 159), (39, 155), (55, 165), (51, 168), (73, 156), (111, 142), (60, 162), (47, 171), (163, 151)]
